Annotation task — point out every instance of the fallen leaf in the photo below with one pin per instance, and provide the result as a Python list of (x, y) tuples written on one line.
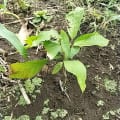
[(24, 32)]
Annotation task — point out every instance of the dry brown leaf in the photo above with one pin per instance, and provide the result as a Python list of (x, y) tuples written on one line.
[(24, 32)]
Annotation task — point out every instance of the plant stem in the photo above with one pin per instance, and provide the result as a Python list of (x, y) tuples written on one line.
[(63, 89), (65, 75), (10, 13), (18, 21)]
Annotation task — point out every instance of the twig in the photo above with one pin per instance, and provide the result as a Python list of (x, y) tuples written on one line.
[(3, 63), (64, 90), (11, 116), (12, 53), (8, 79), (22, 89), (17, 21), (39, 47)]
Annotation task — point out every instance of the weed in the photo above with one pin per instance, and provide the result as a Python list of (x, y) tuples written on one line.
[(110, 85), (59, 113), (22, 117), (41, 15), (112, 113), (103, 14), (47, 113), (32, 88), (38, 118), (23, 4), (54, 114), (100, 103)]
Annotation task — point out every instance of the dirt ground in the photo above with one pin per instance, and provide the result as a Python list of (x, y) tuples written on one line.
[(101, 62)]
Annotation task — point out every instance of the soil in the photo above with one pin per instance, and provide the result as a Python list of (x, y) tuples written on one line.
[(98, 60)]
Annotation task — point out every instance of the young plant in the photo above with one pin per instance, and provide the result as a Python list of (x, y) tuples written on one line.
[(41, 15), (66, 45), (23, 5)]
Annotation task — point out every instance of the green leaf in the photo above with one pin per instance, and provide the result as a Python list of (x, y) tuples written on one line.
[(79, 70), (74, 20), (44, 36), (91, 39), (37, 20), (26, 69), (52, 48), (57, 68), (13, 39), (65, 44), (7, 118), (24, 117), (37, 81), (73, 51), (29, 41), (1, 6), (29, 86), (21, 101), (40, 13), (38, 118)]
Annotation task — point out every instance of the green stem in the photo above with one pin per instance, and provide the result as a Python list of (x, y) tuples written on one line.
[(65, 75)]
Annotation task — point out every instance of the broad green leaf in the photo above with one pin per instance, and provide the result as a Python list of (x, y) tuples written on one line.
[(79, 70), (26, 69), (57, 68), (13, 39), (52, 48), (74, 20), (44, 36), (91, 39), (73, 51), (65, 44)]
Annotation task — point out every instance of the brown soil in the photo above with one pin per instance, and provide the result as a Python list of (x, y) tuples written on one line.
[(99, 61)]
